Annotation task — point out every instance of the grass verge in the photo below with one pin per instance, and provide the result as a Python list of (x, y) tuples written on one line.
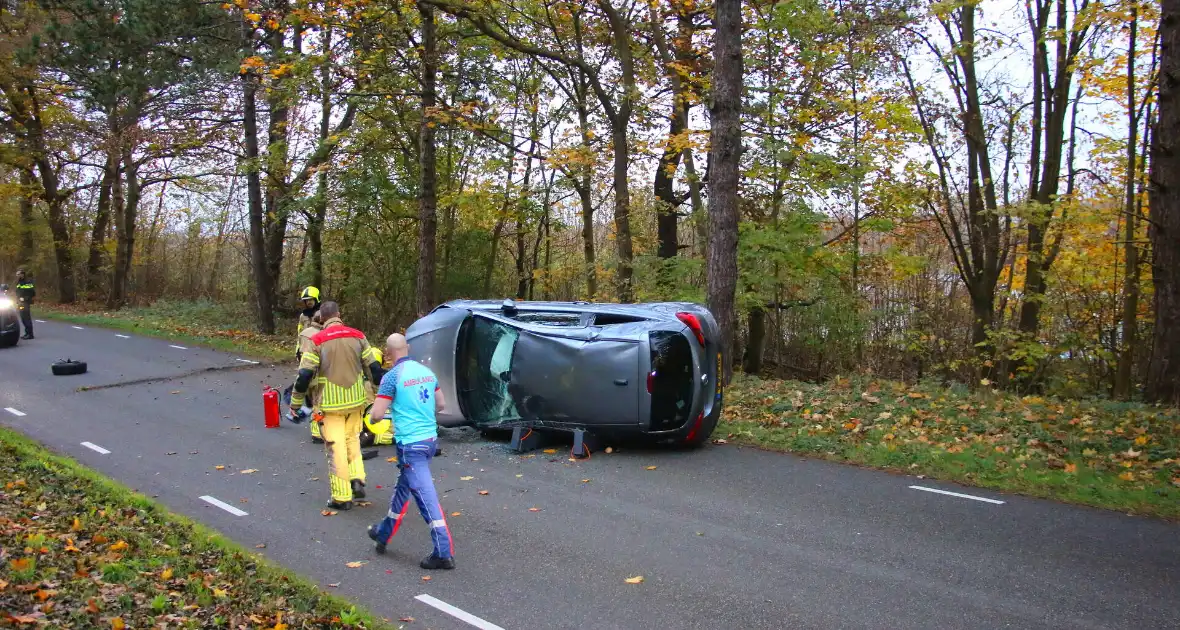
[(201, 323), (1115, 455), (81, 551)]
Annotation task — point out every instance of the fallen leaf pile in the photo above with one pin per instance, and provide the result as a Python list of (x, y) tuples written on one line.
[(1037, 444), (93, 558)]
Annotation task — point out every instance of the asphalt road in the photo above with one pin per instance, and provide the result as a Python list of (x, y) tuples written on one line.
[(725, 537)]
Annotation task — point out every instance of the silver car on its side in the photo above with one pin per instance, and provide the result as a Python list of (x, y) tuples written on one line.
[(644, 369)]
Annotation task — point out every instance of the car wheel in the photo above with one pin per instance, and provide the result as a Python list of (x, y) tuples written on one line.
[(68, 367), (8, 343)]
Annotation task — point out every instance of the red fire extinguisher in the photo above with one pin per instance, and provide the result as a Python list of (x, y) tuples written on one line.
[(270, 406)]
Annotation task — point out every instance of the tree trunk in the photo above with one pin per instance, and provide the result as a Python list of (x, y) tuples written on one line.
[(263, 289), (1123, 381), (428, 193), (319, 212), (27, 249), (62, 252), (94, 276), (726, 139), (582, 186), (1163, 375), (125, 219)]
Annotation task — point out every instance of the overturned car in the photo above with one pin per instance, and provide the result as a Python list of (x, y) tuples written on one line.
[(621, 369)]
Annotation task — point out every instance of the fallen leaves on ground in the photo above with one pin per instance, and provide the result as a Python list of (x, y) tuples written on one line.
[(356, 565), (406, 620), (392, 460), (219, 468), (328, 512), (638, 579), (483, 493), (76, 552), (425, 578), (585, 481), (651, 467), (534, 509), (466, 478), (456, 513), (550, 451), (249, 471)]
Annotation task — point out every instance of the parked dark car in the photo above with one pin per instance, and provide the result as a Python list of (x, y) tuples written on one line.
[(640, 369), (9, 319)]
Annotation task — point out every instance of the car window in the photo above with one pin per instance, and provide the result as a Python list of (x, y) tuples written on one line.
[(671, 380)]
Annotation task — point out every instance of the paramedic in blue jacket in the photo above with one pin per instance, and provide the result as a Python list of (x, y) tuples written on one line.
[(412, 389)]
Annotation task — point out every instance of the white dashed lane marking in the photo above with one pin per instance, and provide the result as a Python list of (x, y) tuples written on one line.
[(457, 613), (15, 412), (178, 347), (122, 336), (96, 448), (39, 321), (223, 505), (77, 328), (956, 494), (247, 361)]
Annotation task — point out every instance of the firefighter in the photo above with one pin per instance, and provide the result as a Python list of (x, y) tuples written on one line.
[(313, 326), (412, 390), (340, 359), (25, 292), (311, 303)]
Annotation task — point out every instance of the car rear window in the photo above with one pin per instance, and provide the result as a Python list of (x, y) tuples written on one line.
[(671, 380)]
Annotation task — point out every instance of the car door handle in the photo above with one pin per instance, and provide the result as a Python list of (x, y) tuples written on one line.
[(621, 382)]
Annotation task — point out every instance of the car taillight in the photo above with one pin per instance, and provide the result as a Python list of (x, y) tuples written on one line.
[(694, 324), (651, 380), (695, 427)]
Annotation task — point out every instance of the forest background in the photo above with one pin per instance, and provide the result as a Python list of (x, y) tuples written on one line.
[(955, 191)]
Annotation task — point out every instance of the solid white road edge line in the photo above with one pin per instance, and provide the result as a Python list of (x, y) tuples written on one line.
[(15, 412), (96, 448), (247, 361), (457, 613), (77, 328), (956, 494), (223, 505), (178, 347), (40, 321), (122, 336)]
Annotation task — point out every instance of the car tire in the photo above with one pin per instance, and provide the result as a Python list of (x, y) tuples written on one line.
[(68, 367), (6, 343)]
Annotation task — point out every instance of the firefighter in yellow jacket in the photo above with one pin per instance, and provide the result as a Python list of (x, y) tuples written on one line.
[(340, 360), (311, 329), (311, 303)]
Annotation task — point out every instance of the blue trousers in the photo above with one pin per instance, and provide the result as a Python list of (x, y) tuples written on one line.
[(413, 460)]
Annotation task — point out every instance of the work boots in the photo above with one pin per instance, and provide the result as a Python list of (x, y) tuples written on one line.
[(432, 562), (339, 505), (380, 546), (358, 489)]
